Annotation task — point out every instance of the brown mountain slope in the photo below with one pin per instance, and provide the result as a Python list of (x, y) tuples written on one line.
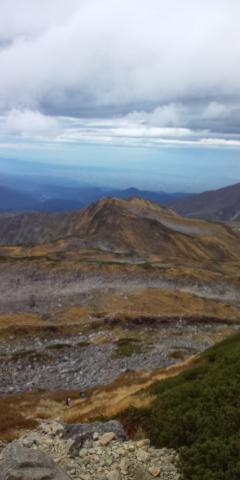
[(222, 204), (124, 226)]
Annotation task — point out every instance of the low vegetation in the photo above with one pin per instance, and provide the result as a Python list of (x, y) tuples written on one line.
[(198, 412), (31, 356), (24, 411), (13, 419), (126, 347)]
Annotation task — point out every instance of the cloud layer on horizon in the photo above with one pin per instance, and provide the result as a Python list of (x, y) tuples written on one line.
[(114, 71)]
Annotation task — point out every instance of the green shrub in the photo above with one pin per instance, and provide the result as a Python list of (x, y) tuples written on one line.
[(198, 413), (215, 459), (126, 347)]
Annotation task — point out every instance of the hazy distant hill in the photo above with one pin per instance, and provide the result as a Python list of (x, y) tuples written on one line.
[(57, 205), (222, 204), (11, 199), (57, 197), (130, 226), (159, 197)]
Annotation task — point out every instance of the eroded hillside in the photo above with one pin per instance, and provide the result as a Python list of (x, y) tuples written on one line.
[(133, 226)]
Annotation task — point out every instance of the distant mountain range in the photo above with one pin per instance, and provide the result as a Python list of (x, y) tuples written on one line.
[(60, 198), (220, 205), (11, 199), (33, 193)]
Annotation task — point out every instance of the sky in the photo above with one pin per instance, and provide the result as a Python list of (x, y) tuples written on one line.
[(140, 92)]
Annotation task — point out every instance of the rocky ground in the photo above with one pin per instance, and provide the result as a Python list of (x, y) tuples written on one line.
[(85, 452), (50, 288), (27, 286), (76, 362), (73, 318), (69, 325)]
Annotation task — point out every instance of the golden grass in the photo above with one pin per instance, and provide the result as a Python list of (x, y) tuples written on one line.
[(22, 324), (143, 303), (60, 255), (156, 302), (24, 411), (128, 389), (31, 324)]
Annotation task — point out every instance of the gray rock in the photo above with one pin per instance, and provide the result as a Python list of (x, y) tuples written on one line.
[(82, 432), (155, 470), (106, 438), (142, 456), (75, 430), (20, 463), (124, 466), (114, 475)]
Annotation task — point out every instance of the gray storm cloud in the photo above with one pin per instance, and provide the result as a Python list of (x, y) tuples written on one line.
[(147, 64)]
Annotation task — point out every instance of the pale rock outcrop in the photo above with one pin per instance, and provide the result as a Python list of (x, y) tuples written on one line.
[(21, 463)]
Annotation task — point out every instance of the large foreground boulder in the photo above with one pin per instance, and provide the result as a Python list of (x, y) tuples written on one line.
[(81, 432), (75, 430), (20, 463)]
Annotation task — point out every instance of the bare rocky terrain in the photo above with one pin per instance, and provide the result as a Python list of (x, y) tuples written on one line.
[(84, 452), (59, 358), (75, 362), (27, 287)]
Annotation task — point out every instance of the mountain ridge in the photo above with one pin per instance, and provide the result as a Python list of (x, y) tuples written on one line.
[(221, 205), (123, 226), (64, 198)]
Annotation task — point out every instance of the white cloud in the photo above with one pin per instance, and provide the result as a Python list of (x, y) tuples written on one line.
[(137, 128), (31, 18), (119, 52), (29, 124), (123, 69), (216, 110)]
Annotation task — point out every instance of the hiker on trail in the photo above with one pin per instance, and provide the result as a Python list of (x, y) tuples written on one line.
[(68, 402), (82, 394)]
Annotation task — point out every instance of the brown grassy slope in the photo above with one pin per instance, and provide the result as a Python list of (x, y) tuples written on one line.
[(161, 303), (59, 257), (132, 226), (28, 324), (129, 389), (221, 204), (141, 303), (145, 227), (22, 412)]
